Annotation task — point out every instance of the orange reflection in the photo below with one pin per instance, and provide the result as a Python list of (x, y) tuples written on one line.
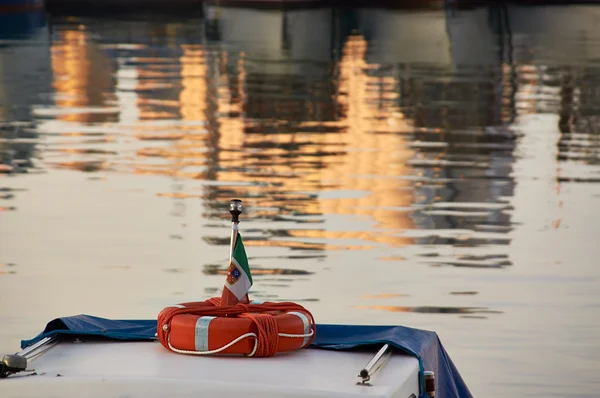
[(187, 138), (430, 309), (331, 131), (192, 98), (83, 165), (5, 271), (393, 258), (178, 195), (304, 245), (373, 131), (156, 95), (259, 271), (359, 151), (82, 78)]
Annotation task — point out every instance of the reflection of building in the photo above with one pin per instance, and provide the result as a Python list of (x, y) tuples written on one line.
[(288, 62), (453, 86), (83, 78), (307, 119), (566, 42), (410, 109), (555, 54), (399, 37), (193, 95), (558, 35), (84, 94), (564, 39), (450, 71), (375, 148), (263, 82), (24, 80), (21, 81)]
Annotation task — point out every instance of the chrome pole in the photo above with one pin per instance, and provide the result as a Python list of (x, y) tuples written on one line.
[(33, 347), (44, 345), (367, 372), (235, 208)]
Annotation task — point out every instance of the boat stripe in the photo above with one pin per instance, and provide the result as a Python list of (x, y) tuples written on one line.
[(257, 302), (304, 320), (202, 332)]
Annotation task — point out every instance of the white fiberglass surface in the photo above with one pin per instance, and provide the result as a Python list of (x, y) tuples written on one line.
[(148, 369)]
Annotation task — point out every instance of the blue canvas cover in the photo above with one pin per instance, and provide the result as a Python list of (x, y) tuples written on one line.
[(422, 344)]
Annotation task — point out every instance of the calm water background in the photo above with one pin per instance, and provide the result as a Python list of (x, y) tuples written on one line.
[(435, 169)]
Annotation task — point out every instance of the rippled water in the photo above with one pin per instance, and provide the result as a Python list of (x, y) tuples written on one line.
[(435, 169)]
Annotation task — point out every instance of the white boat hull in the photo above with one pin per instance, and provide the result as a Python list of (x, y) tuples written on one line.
[(147, 369)]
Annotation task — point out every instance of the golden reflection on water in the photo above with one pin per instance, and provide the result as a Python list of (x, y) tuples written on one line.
[(419, 150), (288, 161), (337, 139), (193, 95), (82, 78), (411, 155), (307, 156)]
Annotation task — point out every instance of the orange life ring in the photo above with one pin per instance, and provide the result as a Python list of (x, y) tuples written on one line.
[(256, 329)]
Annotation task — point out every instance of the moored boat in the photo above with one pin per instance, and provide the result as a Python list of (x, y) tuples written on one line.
[(109, 358)]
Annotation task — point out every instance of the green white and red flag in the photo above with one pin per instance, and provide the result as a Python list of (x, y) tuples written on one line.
[(239, 278)]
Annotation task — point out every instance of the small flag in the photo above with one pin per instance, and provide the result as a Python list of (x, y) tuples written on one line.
[(239, 278)]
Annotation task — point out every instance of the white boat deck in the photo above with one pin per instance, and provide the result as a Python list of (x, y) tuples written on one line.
[(147, 369)]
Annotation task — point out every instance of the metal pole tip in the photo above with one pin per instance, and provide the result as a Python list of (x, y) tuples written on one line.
[(235, 206)]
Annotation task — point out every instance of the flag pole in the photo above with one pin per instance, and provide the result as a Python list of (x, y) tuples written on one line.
[(235, 208)]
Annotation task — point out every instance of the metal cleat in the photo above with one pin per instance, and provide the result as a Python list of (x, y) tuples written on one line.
[(11, 364)]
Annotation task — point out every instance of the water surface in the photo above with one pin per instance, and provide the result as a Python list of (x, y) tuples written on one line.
[(434, 169)]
